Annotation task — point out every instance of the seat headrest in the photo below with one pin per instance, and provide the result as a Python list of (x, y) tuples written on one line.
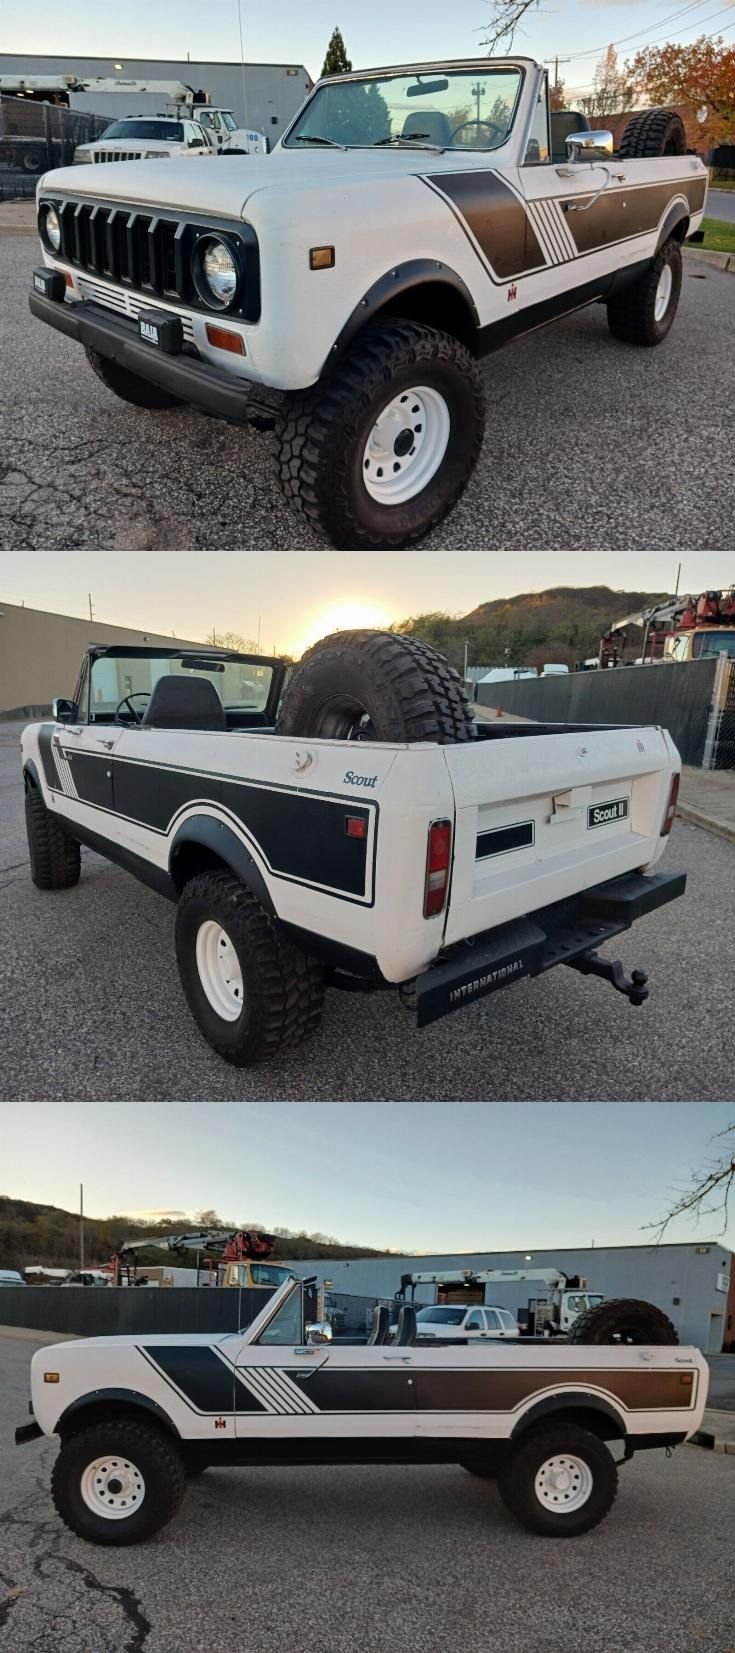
[(406, 1331), (185, 703), (381, 1324), (434, 126)]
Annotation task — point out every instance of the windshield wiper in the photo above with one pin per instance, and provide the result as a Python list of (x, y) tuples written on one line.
[(415, 138), (329, 142)]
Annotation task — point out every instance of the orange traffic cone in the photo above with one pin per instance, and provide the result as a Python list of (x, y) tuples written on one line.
[(499, 712)]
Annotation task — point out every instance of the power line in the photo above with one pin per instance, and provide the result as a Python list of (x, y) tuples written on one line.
[(588, 86), (595, 51)]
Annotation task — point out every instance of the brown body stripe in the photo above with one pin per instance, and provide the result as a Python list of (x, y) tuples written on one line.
[(505, 1391), (497, 218), (627, 212)]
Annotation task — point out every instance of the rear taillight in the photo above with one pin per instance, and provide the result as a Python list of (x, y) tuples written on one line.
[(438, 859), (668, 820)]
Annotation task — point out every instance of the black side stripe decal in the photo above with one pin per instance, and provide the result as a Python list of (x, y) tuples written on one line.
[(496, 218)]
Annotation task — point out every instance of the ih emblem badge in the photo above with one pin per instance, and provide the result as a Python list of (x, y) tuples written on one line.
[(512, 293), (220, 1423)]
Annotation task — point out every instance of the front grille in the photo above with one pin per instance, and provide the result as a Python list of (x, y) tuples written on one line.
[(117, 155), (124, 304), (146, 252)]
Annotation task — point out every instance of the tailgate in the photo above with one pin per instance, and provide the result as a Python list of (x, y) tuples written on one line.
[(543, 817)]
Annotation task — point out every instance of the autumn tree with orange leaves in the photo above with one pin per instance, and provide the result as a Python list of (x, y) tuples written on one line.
[(698, 76)]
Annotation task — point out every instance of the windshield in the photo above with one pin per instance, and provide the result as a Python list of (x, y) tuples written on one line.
[(706, 643), (241, 686), (166, 131), (228, 120), (456, 109), (441, 1316)]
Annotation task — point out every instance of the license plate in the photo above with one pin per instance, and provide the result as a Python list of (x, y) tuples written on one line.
[(603, 814), (161, 332)]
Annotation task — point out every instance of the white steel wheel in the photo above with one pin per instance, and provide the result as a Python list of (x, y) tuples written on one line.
[(112, 1487), (406, 446), (219, 970), (663, 292), (563, 1483)]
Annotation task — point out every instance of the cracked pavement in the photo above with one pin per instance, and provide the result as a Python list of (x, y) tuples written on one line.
[(649, 468), (91, 1007), (356, 1560)]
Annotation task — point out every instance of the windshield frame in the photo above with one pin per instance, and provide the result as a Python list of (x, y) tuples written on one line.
[(117, 651), (486, 66)]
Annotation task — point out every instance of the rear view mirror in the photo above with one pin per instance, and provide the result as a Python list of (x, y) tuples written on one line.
[(426, 88), (589, 146), (64, 711), (319, 1331)]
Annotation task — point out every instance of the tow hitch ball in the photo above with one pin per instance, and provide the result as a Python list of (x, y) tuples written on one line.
[(590, 964)]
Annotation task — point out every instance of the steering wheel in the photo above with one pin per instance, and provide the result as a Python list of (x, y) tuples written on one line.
[(127, 700), (490, 126)]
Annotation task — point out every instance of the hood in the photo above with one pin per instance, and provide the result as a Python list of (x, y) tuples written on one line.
[(130, 1341), (224, 187), (162, 144)]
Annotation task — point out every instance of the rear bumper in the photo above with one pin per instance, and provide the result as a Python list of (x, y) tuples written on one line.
[(184, 374), (529, 946)]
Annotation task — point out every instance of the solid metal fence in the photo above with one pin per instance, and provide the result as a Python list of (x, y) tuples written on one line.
[(35, 137), (719, 748)]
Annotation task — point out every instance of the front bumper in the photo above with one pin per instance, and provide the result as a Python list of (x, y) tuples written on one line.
[(561, 934), (184, 374)]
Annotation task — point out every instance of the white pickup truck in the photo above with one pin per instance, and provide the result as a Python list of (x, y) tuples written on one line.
[(410, 221), (356, 826), (137, 1414)]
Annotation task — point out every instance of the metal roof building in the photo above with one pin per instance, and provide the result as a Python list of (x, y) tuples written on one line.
[(694, 1284), (263, 95)]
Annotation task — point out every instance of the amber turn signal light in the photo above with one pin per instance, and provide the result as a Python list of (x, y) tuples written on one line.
[(321, 258), (50, 1377), (223, 339)]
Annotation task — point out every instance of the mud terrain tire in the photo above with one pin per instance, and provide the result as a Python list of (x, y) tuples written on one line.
[(55, 857), (379, 686), (624, 1320), (652, 133)]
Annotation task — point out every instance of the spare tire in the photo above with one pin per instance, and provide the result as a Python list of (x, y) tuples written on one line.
[(653, 132), (376, 685), (624, 1320)]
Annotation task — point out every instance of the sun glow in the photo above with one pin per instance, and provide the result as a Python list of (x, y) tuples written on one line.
[(353, 614)]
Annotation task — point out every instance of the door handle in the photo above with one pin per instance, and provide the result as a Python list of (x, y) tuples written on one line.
[(406, 1360)]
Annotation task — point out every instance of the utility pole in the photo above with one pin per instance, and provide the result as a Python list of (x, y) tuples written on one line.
[(556, 61), (466, 651), (81, 1227), (242, 64), (257, 651), (91, 605), (678, 577), (478, 92)]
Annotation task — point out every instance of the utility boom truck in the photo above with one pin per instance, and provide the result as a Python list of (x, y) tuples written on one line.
[(566, 1297), (353, 825), (242, 1254), (136, 1415), (343, 290)]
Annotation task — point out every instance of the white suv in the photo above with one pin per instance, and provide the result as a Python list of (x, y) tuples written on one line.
[(146, 138), (465, 1320)]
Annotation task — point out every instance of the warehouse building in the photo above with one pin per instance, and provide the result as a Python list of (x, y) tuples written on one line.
[(693, 1284), (263, 96), (40, 655)]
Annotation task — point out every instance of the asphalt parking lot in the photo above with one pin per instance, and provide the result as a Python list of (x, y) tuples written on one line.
[(590, 445), (91, 1007), (360, 1559)]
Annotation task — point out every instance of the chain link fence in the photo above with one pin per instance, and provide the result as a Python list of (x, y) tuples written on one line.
[(719, 749), (35, 137)]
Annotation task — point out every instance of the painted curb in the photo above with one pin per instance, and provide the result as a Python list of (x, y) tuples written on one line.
[(695, 817), (716, 261)]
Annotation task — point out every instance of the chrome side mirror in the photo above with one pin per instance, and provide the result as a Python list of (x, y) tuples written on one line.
[(319, 1331), (589, 146), (64, 711)]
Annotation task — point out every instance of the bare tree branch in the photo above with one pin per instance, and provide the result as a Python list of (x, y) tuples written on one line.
[(505, 17), (709, 1191)]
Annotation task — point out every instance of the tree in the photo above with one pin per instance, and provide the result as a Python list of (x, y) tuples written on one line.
[(557, 95), (231, 640), (506, 17), (612, 88), (709, 1189), (698, 76), (336, 61)]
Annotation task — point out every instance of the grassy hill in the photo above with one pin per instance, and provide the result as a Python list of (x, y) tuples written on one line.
[(562, 624), (45, 1234)]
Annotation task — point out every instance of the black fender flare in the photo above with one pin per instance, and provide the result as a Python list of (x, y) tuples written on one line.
[(403, 278), (129, 1397), (30, 769), (569, 1402), (218, 837), (675, 215)]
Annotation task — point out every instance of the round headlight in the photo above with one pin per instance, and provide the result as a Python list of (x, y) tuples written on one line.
[(219, 272), (53, 229)]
